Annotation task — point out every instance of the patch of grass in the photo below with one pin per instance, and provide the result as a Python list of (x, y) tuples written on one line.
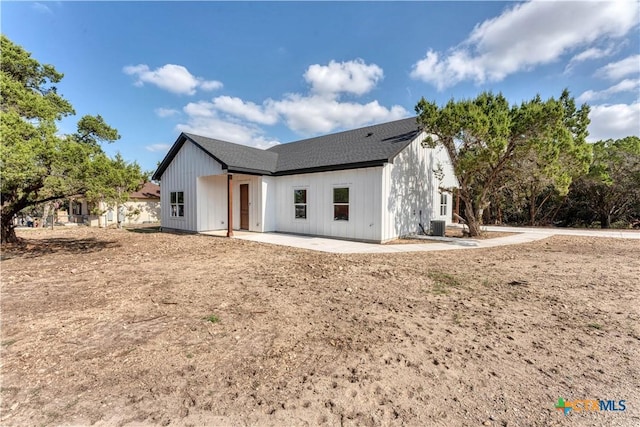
[(442, 282), (595, 326), (488, 283), (189, 356), (456, 318), (212, 318), (7, 343)]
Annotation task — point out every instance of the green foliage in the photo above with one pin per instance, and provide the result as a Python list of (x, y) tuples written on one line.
[(610, 191), (212, 318), (492, 144), (36, 164), (111, 181), (545, 169)]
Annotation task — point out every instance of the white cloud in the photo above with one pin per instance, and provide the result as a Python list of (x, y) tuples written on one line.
[(319, 111), (203, 120), (158, 147), (627, 85), (199, 109), (589, 54), (166, 112), (247, 110), (42, 8), (171, 77), (354, 77), (614, 121), (524, 36), (317, 114), (620, 69)]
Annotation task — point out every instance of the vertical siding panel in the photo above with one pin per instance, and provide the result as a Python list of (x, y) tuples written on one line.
[(363, 204), (181, 175)]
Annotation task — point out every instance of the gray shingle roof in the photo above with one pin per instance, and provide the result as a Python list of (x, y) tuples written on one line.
[(377, 143), (367, 146), (237, 157)]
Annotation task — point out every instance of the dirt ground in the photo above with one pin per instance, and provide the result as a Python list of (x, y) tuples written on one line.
[(117, 327)]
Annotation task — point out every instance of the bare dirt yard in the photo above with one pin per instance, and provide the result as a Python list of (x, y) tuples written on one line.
[(117, 327)]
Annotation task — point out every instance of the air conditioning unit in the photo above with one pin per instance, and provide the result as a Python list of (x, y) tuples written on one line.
[(438, 228)]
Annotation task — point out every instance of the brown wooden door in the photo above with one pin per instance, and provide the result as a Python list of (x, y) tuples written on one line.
[(244, 206)]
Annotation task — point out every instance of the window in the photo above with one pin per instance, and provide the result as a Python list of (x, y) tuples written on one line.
[(177, 204), (443, 204), (300, 203), (341, 204), (76, 208)]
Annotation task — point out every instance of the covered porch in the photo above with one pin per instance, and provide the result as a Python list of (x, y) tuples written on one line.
[(230, 202)]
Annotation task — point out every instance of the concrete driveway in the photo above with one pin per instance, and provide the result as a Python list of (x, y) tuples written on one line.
[(524, 235)]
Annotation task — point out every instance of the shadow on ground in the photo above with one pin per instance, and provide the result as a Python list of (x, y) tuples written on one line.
[(34, 248), (153, 229)]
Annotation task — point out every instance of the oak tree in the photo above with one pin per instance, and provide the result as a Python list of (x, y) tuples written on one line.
[(37, 164), (485, 136)]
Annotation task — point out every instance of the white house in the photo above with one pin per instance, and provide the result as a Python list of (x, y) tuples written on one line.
[(375, 183), (142, 207)]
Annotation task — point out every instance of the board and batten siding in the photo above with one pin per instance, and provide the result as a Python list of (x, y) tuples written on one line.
[(269, 203), (181, 175), (364, 197), (212, 202), (410, 190), (255, 199)]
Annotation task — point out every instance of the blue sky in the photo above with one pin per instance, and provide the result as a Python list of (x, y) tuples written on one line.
[(267, 72)]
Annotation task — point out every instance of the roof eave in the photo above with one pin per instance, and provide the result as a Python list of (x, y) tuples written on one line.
[(247, 171), (330, 168)]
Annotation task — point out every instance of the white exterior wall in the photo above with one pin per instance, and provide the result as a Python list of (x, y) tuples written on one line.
[(269, 203), (212, 202), (410, 190), (148, 211), (181, 175), (364, 197)]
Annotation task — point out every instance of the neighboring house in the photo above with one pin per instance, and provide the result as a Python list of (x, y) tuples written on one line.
[(142, 207), (375, 183)]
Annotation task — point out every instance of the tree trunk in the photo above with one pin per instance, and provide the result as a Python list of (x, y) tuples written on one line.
[(472, 218), (605, 220), (45, 214), (532, 211), (8, 232), (9, 211)]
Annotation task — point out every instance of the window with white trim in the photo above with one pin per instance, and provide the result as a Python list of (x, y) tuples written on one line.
[(177, 204), (341, 204), (444, 200), (300, 203)]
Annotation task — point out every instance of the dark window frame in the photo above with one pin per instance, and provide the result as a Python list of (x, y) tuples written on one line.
[(300, 203), (444, 202), (176, 204), (340, 206)]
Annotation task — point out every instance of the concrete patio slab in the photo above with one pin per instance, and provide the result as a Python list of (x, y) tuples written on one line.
[(348, 247), (523, 235)]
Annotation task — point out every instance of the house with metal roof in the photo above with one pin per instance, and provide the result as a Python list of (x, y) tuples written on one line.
[(375, 183)]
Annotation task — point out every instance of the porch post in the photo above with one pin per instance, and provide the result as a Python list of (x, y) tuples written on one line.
[(229, 205), (457, 212)]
